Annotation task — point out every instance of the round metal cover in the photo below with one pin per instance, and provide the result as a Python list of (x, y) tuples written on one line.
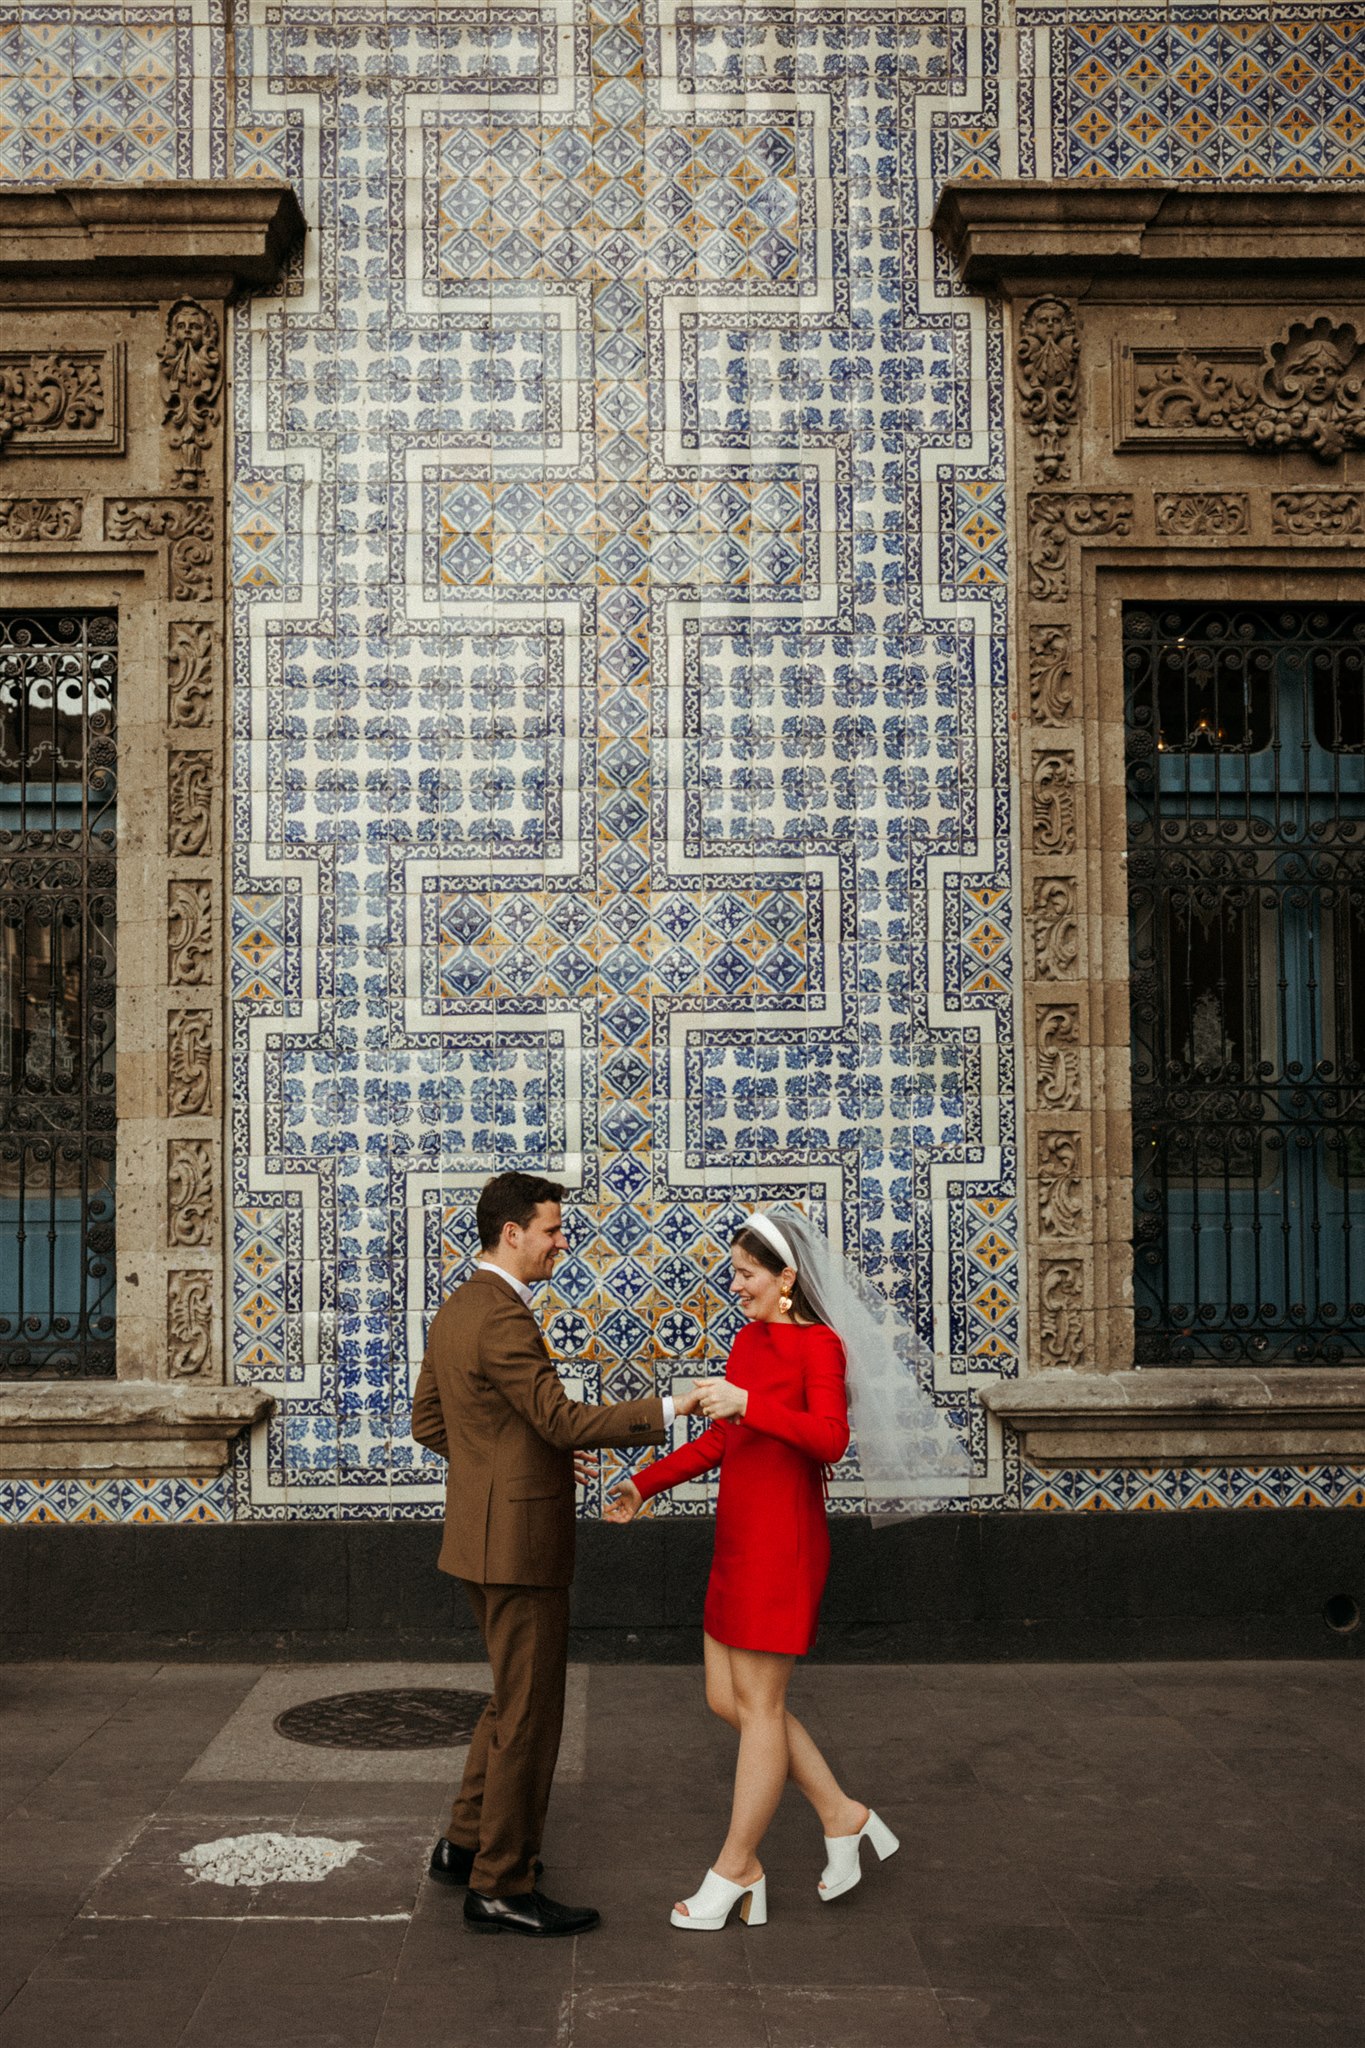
[(401, 1717)]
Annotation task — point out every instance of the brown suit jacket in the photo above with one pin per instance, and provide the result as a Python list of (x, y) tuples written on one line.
[(489, 1400)]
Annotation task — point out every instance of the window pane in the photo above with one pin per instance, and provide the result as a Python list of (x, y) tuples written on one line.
[(58, 763)]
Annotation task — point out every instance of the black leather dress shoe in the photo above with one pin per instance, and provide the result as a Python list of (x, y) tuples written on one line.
[(451, 1864), (528, 1913)]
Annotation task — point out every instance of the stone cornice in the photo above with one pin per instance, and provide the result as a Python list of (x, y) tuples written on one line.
[(95, 1429), (1196, 1416), (138, 241), (1007, 235)]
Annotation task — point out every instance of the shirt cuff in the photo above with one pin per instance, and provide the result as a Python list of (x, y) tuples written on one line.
[(670, 1411)]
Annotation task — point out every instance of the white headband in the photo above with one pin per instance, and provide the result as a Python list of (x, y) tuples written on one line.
[(765, 1227)]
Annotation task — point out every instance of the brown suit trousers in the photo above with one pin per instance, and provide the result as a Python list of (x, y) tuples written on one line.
[(500, 1810), (490, 1401)]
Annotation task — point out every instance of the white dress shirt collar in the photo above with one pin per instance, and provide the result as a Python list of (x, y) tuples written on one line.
[(517, 1286)]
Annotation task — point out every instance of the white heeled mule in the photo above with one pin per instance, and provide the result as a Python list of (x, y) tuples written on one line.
[(710, 1905), (843, 1864)]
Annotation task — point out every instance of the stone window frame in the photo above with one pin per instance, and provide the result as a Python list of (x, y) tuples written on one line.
[(1149, 454), (113, 494)]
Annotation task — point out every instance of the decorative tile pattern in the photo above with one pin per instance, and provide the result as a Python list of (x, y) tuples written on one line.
[(96, 92), (618, 555), (608, 740), (116, 1500), (1197, 1486), (1139, 96)]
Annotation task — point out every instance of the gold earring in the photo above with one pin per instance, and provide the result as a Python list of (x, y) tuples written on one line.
[(784, 1303)]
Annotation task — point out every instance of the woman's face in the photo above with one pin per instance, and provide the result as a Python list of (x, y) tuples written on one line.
[(755, 1289)]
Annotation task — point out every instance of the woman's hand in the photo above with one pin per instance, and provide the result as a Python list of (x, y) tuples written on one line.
[(625, 1502), (721, 1402)]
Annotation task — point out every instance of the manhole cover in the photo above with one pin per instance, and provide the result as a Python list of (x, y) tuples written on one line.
[(404, 1717)]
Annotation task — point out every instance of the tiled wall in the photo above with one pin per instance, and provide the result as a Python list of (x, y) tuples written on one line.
[(619, 567)]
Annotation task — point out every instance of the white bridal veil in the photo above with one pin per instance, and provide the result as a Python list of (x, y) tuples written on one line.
[(908, 1452)]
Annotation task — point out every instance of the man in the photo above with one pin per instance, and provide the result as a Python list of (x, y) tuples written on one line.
[(489, 1400)]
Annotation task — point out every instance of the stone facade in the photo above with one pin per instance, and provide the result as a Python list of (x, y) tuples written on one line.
[(113, 305), (664, 600)]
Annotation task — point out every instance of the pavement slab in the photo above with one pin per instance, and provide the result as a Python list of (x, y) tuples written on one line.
[(1093, 1856)]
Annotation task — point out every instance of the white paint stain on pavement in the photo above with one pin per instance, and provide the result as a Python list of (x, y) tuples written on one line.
[(268, 1858)]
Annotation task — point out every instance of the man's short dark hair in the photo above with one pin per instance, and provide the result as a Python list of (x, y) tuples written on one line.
[(511, 1198)]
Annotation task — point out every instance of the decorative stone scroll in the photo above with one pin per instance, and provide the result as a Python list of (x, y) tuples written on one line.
[(189, 801), (191, 360), (189, 1324), (40, 518), (187, 527), (1061, 1322), (1058, 1069), (1054, 803), (1318, 514), (1047, 365), (189, 1063), (1061, 1202), (189, 933), (65, 402), (189, 664), (189, 1190), (1050, 674), (1055, 516), (1056, 932), (1307, 391), (1202, 515)]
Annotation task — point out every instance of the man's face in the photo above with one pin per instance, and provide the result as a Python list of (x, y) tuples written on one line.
[(530, 1249)]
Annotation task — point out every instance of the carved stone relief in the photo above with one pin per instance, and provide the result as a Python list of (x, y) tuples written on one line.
[(1061, 1324), (26, 519), (1047, 364), (1307, 391), (191, 360), (189, 1324), (1054, 803), (1056, 516), (1194, 515), (186, 525), (66, 402), (1058, 1068), (1051, 678), (190, 672), (189, 801), (1061, 1205), (189, 1063), (189, 933), (1310, 514), (189, 1190), (1056, 932)]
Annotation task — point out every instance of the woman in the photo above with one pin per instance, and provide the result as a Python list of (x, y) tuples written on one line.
[(778, 1419)]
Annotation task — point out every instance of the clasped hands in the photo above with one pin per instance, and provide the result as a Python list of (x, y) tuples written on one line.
[(717, 1400)]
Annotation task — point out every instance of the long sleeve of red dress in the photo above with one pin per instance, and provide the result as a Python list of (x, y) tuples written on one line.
[(820, 1429), (689, 1461)]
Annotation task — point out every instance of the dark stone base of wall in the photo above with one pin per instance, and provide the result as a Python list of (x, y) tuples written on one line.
[(960, 1587)]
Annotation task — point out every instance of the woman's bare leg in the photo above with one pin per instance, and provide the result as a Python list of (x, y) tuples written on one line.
[(806, 1766), (747, 1689), (760, 1682)]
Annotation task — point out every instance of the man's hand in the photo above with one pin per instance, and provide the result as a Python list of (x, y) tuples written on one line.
[(584, 1467), (686, 1403), (719, 1401), (625, 1502)]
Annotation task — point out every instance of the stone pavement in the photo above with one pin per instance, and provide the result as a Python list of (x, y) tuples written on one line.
[(1166, 1854)]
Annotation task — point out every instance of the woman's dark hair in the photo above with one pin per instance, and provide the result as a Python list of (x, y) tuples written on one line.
[(764, 1254), (511, 1198)]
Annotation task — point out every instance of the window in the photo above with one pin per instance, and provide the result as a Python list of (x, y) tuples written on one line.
[(58, 777), (1245, 758)]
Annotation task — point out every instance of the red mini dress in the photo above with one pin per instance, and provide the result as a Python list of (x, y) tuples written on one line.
[(772, 1539)]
